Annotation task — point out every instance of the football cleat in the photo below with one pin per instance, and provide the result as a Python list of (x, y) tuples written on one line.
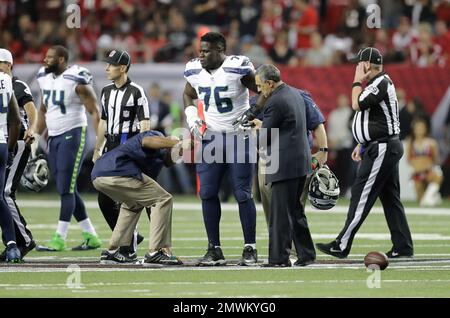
[(249, 256), (117, 257), (90, 242), (161, 258), (57, 244), (213, 257), (13, 254)]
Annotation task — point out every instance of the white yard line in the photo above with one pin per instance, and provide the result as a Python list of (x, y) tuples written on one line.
[(420, 266), (233, 207), (322, 236), (257, 282)]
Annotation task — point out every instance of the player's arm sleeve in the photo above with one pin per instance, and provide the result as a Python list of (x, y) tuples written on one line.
[(248, 75), (372, 95), (314, 116)]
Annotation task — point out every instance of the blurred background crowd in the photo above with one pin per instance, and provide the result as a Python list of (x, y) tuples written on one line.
[(291, 32)]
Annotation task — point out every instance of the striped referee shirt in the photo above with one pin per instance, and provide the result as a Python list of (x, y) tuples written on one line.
[(378, 117), (124, 107), (23, 96)]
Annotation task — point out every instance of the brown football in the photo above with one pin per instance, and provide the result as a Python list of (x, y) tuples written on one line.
[(376, 260)]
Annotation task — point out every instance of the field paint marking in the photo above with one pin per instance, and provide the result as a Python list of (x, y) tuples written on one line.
[(395, 266), (323, 236), (256, 282), (233, 207)]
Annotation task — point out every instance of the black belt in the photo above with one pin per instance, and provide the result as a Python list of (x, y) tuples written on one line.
[(120, 138), (381, 140)]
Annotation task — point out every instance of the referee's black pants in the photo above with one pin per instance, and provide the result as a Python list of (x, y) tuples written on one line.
[(110, 208), (12, 180), (378, 177)]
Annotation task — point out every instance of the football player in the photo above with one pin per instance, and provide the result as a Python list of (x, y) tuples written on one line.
[(66, 93), (28, 117), (9, 119), (221, 83)]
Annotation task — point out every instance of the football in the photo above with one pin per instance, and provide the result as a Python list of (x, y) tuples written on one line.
[(376, 259)]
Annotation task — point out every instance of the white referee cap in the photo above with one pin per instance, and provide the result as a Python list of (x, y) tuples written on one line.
[(6, 56)]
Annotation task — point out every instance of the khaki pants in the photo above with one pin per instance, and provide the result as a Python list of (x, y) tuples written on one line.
[(135, 195)]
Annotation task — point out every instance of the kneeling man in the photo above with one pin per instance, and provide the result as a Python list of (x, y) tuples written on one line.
[(127, 174)]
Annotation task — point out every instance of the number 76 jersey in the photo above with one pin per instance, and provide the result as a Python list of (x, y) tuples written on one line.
[(64, 108), (223, 95)]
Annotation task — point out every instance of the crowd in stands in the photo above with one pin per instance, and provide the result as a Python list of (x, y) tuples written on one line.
[(289, 32)]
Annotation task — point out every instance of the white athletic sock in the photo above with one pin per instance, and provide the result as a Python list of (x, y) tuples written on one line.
[(87, 226), (252, 245), (63, 228), (430, 194)]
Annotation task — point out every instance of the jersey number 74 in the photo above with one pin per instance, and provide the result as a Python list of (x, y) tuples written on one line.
[(57, 102)]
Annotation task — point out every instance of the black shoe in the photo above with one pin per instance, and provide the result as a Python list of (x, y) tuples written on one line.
[(161, 258), (13, 254), (139, 239), (395, 254), (249, 256), (113, 258), (24, 250), (303, 263), (213, 257), (288, 264), (332, 249)]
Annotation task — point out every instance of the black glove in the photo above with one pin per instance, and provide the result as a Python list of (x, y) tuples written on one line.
[(249, 115)]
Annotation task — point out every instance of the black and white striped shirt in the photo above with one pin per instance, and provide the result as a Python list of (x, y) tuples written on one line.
[(124, 107), (23, 96), (378, 118)]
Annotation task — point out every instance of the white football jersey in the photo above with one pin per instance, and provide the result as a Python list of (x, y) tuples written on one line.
[(223, 95), (6, 92), (64, 108)]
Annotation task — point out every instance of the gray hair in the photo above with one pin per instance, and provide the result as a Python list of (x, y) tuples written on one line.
[(268, 72)]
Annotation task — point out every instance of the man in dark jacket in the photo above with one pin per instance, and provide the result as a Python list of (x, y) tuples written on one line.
[(284, 130)]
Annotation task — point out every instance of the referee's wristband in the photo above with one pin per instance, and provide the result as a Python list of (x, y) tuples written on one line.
[(356, 84), (323, 149)]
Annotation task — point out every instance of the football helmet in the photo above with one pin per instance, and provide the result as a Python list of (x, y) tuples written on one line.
[(36, 174), (323, 189)]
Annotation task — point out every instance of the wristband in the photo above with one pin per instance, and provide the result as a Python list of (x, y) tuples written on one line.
[(323, 149), (191, 114), (356, 84)]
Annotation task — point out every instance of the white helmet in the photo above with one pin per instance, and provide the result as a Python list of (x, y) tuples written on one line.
[(323, 189), (35, 175)]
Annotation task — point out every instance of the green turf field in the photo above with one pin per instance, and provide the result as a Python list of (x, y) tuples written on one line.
[(428, 275)]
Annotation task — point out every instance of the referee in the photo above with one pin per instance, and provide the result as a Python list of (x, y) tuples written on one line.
[(376, 128), (125, 113), (28, 118)]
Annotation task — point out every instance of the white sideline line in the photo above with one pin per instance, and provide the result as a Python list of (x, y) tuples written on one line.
[(367, 236), (256, 282), (396, 266), (233, 207)]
